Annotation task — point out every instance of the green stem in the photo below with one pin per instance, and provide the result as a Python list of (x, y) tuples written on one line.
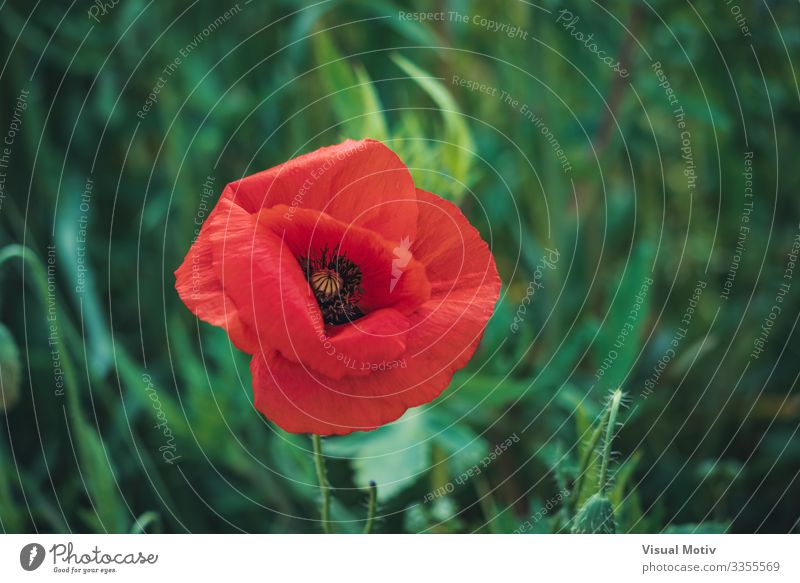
[(373, 505), (586, 461), (487, 503), (616, 398), (319, 463)]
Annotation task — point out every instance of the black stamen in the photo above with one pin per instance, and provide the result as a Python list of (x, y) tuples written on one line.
[(336, 283)]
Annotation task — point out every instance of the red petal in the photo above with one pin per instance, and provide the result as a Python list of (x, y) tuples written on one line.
[(200, 288), (378, 336), (359, 182)]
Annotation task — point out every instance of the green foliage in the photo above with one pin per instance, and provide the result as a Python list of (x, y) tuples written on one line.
[(10, 370), (452, 153), (355, 99)]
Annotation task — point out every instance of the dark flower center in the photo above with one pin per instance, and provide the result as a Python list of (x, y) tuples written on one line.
[(336, 283)]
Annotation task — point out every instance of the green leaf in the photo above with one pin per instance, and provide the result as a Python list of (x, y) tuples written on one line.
[(462, 446), (108, 509), (10, 368), (394, 456), (75, 260), (486, 396), (145, 521), (11, 516), (444, 167), (293, 459), (620, 339), (349, 89), (596, 516)]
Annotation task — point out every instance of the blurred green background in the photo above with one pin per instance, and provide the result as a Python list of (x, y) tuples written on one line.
[(123, 413)]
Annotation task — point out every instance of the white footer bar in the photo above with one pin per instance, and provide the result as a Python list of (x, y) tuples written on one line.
[(405, 558)]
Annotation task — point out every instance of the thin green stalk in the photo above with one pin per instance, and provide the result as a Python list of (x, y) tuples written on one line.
[(322, 478), (586, 461), (616, 398), (373, 505), (487, 503)]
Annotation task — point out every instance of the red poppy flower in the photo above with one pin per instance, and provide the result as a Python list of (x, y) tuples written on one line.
[(357, 294)]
